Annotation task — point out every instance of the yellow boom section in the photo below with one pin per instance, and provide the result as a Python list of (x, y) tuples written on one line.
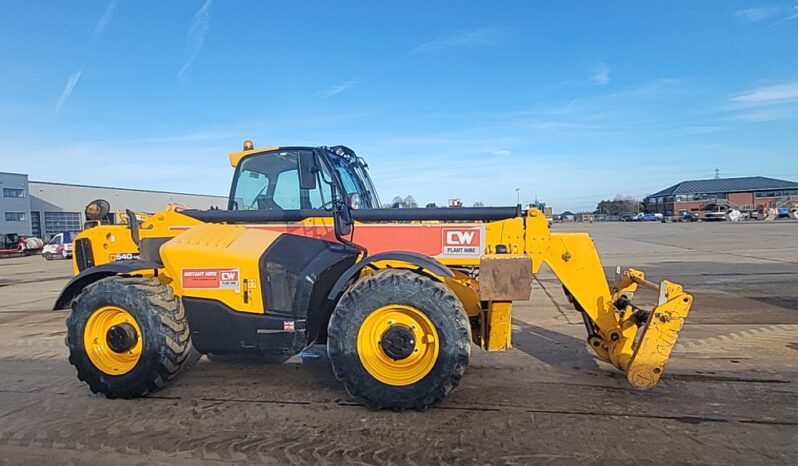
[(635, 341)]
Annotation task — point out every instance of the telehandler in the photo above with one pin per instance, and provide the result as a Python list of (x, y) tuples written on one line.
[(304, 255)]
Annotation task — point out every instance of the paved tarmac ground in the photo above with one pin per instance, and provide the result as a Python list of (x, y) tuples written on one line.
[(729, 395)]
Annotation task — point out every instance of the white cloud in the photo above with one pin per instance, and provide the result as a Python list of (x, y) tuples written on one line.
[(755, 15), (779, 14), (195, 38), (770, 94), (337, 89), (600, 74), (106, 18), (72, 81), (761, 116), (475, 38)]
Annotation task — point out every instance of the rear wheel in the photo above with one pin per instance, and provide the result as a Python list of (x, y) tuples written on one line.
[(128, 336), (399, 340)]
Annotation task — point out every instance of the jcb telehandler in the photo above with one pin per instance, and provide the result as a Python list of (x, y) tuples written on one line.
[(303, 254)]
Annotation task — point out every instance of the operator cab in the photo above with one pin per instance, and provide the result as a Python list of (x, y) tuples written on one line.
[(293, 178)]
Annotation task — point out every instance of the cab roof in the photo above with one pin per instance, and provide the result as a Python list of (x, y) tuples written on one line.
[(235, 157)]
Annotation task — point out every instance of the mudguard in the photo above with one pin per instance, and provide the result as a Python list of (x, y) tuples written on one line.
[(414, 258), (92, 274)]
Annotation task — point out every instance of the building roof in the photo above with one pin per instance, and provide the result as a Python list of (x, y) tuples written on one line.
[(52, 183), (726, 185)]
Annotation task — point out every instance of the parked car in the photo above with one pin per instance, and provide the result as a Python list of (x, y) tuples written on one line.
[(648, 217), (688, 217), (717, 216), (59, 247)]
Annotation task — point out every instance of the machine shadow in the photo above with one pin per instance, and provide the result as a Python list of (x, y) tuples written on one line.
[(553, 348), (309, 368)]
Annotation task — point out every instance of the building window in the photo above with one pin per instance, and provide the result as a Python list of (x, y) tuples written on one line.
[(36, 224), (15, 216), (700, 197), (13, 192), (59, 222), (775, 193)]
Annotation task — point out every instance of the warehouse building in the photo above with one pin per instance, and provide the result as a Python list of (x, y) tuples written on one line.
[(699, 196), (44, 209)]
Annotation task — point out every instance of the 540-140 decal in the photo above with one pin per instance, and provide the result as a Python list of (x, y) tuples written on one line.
[(124, 256)]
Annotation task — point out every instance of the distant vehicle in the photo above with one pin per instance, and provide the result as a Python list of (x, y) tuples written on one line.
[(648, 217), (59, 247), (627, 217), (688, 217), (13, 245), (735, 215), (718, 216)]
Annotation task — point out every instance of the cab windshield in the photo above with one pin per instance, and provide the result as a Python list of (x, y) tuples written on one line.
[(355, 179), (360, 169)]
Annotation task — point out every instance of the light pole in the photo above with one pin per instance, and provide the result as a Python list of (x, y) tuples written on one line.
[(518, 195)]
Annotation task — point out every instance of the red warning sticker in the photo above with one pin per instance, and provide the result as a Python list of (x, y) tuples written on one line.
[(211, 279)]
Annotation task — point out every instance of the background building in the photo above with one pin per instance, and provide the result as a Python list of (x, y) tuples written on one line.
[(14, 204), (699, 196), (45, 209)]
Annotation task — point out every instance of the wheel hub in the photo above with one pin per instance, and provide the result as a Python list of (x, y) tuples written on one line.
[(113, 340), (121, 337), (398, 342)]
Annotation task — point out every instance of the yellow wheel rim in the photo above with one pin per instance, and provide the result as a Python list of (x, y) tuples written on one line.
[(103, 350), (417, 359)]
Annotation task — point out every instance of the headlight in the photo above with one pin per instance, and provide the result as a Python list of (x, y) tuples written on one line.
[(354, 201)]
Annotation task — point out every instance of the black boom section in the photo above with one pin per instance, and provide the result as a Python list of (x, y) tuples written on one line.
[(366, 215), (297, 273)]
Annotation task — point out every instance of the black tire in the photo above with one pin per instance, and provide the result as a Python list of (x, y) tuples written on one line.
[(166, 342), (442, 308), (47, 256)]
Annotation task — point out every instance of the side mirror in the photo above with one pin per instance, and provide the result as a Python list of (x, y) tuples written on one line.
[(342, 218), (307, 170)]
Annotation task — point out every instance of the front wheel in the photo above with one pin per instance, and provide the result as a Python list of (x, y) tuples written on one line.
[(399, 340), (128, 336)]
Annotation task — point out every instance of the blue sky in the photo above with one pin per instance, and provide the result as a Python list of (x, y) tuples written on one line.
[(568, 101)]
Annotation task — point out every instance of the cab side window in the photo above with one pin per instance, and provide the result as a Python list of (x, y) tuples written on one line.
[(270, 181), (250, 185), (321, 197), (286, 190)]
